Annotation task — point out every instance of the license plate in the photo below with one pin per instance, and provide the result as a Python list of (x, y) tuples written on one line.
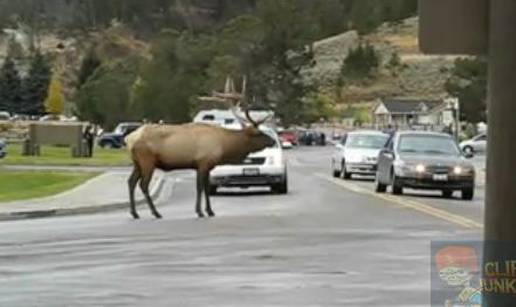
[(439, 177), (251, 172)]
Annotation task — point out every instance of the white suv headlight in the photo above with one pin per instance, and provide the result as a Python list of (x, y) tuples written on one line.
[(271, 160)]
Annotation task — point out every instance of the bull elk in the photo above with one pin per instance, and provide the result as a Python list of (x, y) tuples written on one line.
[(195, 146)]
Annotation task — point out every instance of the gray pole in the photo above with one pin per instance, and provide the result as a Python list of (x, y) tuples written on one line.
[(500, 213)]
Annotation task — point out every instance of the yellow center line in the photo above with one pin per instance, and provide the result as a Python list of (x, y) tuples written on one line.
[(409, 204)]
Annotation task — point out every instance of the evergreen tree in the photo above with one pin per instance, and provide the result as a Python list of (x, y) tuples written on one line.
[(360, 63), (89, 64), (468, 82), (36, 85), (54, 104), (10, 87)]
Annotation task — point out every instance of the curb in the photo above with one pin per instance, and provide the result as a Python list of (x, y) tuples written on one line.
[(36, 214)]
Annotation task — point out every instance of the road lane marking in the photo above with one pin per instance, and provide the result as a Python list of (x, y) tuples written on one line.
[(405, 203)]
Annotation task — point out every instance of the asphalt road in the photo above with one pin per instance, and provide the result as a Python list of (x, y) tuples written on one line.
[(327, 243)]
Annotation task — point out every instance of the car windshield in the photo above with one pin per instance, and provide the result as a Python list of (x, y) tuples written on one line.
[(424, 144), (366, 141)]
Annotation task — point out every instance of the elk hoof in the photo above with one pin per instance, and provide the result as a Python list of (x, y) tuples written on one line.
[(200, 215), (135, 215), (157, 215), (211, 213)]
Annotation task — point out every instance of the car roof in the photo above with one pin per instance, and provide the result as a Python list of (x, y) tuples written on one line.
[(367, 132), (423, 133)]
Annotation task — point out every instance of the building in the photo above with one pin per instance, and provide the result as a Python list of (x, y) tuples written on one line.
[(415, 113)]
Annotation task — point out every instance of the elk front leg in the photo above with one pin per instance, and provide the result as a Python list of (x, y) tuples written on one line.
[(207, 195), (144, 186), (133, 181), (200, 186)]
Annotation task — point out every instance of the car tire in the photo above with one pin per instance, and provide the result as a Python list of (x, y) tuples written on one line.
[(212, 189), (468, 150), (281, 188), (397, 188), (380, 188), (468, 193), (447, 193), (345, 174), (336, 173), (108, 145)]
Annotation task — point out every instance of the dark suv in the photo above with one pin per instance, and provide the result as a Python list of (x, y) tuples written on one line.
[(3, 146), (115, 139)]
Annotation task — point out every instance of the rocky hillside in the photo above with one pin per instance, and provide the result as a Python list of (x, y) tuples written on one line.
[(115, 43), (418, 76)]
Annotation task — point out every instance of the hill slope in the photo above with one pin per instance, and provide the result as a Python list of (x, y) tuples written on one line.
[(420, 75)]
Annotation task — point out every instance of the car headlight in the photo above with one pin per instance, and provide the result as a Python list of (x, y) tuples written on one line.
[(463, 170), (420, 168), (353, 158), (271, 160)]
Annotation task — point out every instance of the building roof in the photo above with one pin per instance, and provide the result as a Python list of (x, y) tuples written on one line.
[(409, 106)]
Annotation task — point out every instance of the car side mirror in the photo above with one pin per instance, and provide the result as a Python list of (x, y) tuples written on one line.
[(339, 146), (387, 154), (469, 155)]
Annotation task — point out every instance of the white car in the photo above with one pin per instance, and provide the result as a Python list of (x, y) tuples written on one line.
[(264, 168), (357, 153), (475, 145)]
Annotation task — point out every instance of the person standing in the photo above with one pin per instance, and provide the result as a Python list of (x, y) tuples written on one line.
[(89, 137)]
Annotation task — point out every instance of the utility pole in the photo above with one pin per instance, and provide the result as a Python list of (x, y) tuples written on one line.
[(481, 27)]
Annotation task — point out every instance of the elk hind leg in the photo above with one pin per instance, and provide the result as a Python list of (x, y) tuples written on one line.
[(132, 182), (206, 183), (200, 187), (144, 186)]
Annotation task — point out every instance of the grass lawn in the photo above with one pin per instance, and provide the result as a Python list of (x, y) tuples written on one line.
[(51, 155), (18, 185)]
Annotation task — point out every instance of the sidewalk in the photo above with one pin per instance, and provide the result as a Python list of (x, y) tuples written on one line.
[(105, 192)]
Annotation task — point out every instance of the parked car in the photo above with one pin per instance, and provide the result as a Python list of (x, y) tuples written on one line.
[(425, 160), (5, 116), (288, 136), (475, 145), (264, 168), (115, 139), (3, 148), (357, 153), (311, 137)]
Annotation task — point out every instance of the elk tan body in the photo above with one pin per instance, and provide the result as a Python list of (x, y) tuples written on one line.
[(189, 146)]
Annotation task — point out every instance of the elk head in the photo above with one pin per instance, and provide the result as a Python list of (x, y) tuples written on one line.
[(258, 138)]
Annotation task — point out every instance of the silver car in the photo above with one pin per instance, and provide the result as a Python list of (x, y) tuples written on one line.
[(475, 145), (425, 160), (357, 153)]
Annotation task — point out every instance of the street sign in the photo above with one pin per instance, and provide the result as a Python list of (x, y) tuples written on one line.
[(453, 26)]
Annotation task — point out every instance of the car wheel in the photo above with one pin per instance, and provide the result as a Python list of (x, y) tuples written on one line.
[(380, 188), (212, 189), (467, 194), (336, 173), (468, 150), (108, 145), (345, 174), (281, 188), (447, 193), (397, 188)]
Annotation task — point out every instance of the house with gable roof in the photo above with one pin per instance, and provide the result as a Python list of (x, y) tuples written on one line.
[(404, 113)]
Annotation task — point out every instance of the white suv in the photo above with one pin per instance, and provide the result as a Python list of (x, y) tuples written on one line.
[(264, 168)]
